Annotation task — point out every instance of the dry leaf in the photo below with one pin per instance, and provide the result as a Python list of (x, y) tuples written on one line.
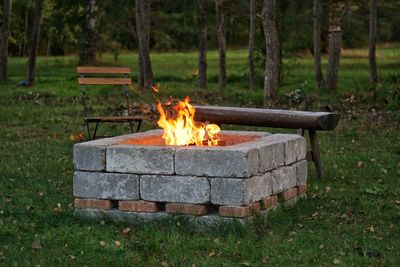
[(164, 263), (360, 164), (371, 229), (216, 241), (37, 245), (72, 257), (102, 243), (212, 254), (117, 243), (397, 202), (102, 222), (337, 261), (76, 137), (321, 246), (126, 231)]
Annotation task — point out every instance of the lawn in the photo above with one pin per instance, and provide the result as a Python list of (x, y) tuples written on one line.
[(351, 218)]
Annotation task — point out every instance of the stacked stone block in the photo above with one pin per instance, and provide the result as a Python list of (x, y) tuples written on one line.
[(127, 176)]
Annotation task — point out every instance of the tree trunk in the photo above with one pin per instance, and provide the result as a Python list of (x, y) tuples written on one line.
[(219, 11), (87, 55), (5, 33), (252, 74), (372, 42), (335, 44), (317, 43), (202, 34), (271, 80), (48, 46), (143, 33), (34, 42)]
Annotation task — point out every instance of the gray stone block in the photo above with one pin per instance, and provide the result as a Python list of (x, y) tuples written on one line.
[(99, 185), (295, 146), (272, 154), (140, 159), (124, 216), (90, 214), (229, 161), (240, 192), (181, 189), (301, 172), (283, 179)]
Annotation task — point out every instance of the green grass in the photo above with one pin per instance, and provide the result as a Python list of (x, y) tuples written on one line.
[(351, 218)]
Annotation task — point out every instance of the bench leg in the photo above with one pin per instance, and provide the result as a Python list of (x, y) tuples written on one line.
[(315, 153), (88, 130), (95, 130), (138, 125)]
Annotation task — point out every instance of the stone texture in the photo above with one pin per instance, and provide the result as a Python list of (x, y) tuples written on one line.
[(105, 185), (283, 179), (301, 172), (126, 216), (229, 161), (182, 189), (100, 204), (239, 212), (301, 189), (140, 159), (91, 214), (295, 146), (139, 206), (288, 194), (272, 154), (188, 209), (240, 192), (269, 202)]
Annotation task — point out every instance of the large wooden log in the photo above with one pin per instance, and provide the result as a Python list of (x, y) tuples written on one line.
[(268, 117)]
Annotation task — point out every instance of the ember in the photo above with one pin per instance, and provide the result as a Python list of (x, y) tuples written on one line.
[(183, 130)]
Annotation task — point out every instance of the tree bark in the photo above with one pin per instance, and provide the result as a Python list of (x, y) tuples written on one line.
[(5, 33), (334, 47), (317, 42), (372, 42), (87, 55), (34, 42), (271, 80), (143, 33), (202, 35), (219, 11), (252, 73)]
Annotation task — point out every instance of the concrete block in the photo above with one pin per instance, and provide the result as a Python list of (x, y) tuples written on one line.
[(295, 146), (217, 161), (99, 185), (125, 216), (283, 179), (301, 172), (240, 192), (89, 157), (140, 159), (181, 189)]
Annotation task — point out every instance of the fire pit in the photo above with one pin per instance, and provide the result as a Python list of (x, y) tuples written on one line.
[(137, 176)]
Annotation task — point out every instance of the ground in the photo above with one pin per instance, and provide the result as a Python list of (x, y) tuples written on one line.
[(351, 218)]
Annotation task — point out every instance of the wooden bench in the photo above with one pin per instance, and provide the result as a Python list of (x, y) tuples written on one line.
[(120, 77), (301, 120)]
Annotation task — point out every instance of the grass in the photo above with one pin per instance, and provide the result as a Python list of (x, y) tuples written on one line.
[(350, 219)]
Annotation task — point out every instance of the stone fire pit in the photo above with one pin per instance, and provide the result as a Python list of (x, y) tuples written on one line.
[(136, 176)]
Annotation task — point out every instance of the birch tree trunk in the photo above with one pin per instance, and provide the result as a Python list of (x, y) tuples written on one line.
[(219, 6), (372, 42), (334, 47), (87, 54), (202, 35), (143, 33), (5, 33), (317, 43), (271, 80), (34, 42), (252, 73)]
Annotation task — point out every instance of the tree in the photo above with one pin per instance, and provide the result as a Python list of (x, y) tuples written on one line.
[(252, 73), (143, 33), (219, 12), (317, 43), (372, 41), (34, 42), (5, 33), (202, 36), (271, 79), (334, 47), (87, 55)]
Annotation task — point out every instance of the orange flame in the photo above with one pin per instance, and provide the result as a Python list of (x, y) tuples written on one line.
[(183, 130)]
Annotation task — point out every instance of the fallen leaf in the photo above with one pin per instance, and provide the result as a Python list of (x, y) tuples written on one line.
[(164, 263), (155, 89), (327, 189), (216, 241), (37, 245), (321, 246), (360, 164), (371, 229), (102, 243), (72, 257), (337, 261), (126, 232), (397, 202), (245, 263), (102, 222), (117, 243), (76, 137), (212, 254)]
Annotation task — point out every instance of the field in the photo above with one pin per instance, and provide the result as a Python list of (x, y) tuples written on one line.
[(351, 218)]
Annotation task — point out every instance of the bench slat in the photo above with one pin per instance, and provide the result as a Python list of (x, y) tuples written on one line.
[(268, 117), (110, 81), (103, 70)]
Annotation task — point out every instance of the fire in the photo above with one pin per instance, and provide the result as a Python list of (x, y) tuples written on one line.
[(183, 130)]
